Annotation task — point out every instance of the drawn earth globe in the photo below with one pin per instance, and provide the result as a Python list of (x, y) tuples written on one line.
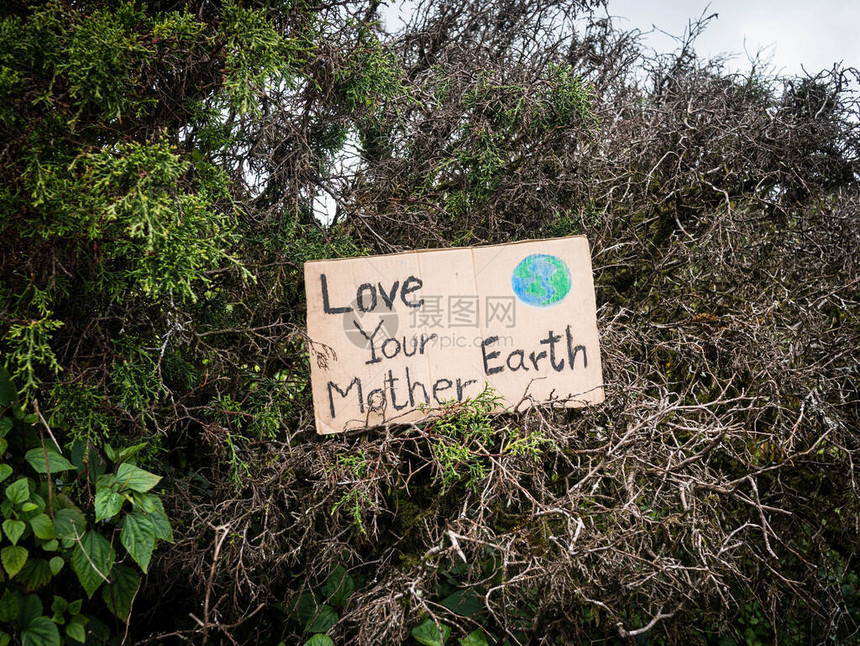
[(541, 280)]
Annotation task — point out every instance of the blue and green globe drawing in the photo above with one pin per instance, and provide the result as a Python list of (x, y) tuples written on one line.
[(541, 280)]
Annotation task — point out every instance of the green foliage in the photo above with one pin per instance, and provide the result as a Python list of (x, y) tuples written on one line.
[(257, 56), (30, 348), (80, 409), (465, 436), (319, 609), (158, 183), (45, 528), (370, 76), (429, 634)]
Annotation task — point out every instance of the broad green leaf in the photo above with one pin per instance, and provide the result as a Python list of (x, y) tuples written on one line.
[(75, 606), (149, 502), (56, 462), (4, 446), (51, 545), (5, 471), (13, 557), (467, 602), (41, 631), (42, 527), (75, 630), (325, 619), (56, 564), (129, 452), (59, 605), (119, 593), (69, 523), (138, 537), (131, 477), (162, 526), (92, 560), (8, 394), (319, 640), (5, 639), (6, 424), (427, 634), (30, 608), (13, 529), (36, 502), (474, 638), (8, 606), (105, 481), (306, 607), (19, 491), (338, 586), (108, 504), (35, 574), (98, 630), (109, 452)]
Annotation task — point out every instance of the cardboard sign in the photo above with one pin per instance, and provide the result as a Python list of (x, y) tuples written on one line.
[(394, 338)]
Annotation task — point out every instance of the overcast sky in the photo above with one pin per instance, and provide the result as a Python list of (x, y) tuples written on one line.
[(814, 33)]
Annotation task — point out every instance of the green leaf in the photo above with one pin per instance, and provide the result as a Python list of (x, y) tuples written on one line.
[(130, 477), (19, 491), (5, 639), (13, 557), (29, 506), (75, 606), (4, 446), (13, 529), (59, 605), (98, 630), (69, 523), (338, 586), (6, 424), (119, 593), (108, 504), (56, 564), (325, 619), (129, 452), (319, 640), (306, 607), (149, 502), (8, 606), (8, 394), (76, 630), (92, 561), (474, 638), (30, 608), (105, 481), (162, 526), (427, 634), (56, 462), (50, 546), (5, 471), (41, 631), (42, 527), (467, 602), (35, 574), (138, 537), (109, 452)]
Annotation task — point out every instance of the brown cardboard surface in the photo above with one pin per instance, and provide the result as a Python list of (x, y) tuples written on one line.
[(395, 337)]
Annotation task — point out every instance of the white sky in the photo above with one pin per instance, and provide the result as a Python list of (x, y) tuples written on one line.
[(814, 34)]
